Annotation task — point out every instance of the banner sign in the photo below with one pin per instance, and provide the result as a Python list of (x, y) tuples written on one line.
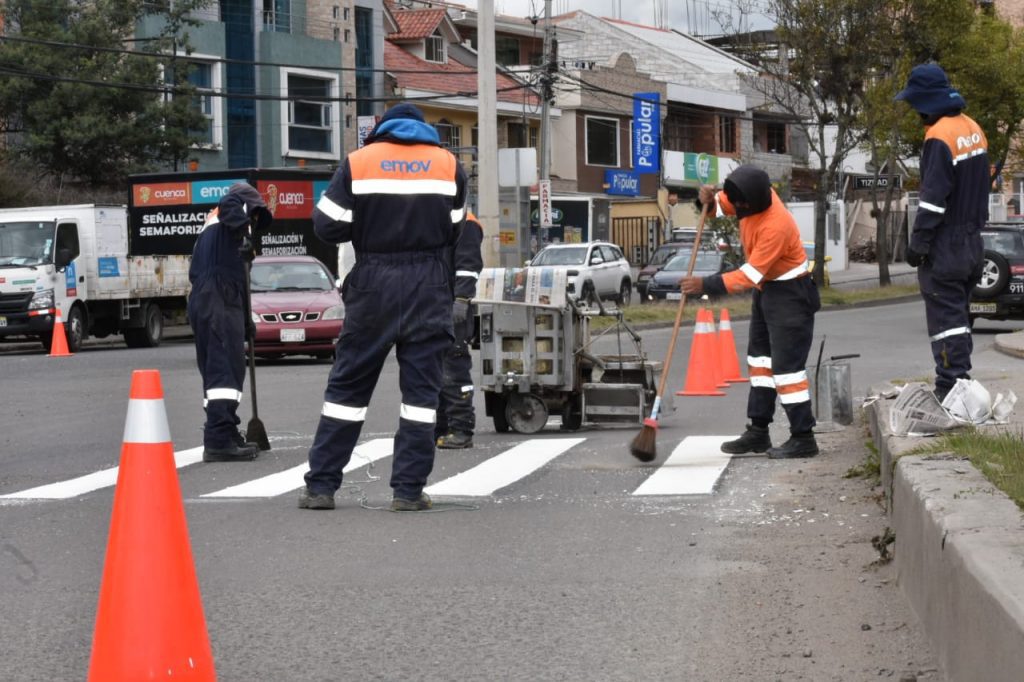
[(544, 202), (646, 132), (868, 181), (622, 183)]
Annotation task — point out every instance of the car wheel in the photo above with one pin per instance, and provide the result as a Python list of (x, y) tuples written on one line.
[(75, 329), (995, 273), (625, 292)]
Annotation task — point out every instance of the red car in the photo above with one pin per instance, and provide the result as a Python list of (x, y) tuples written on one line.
[(296, 307)]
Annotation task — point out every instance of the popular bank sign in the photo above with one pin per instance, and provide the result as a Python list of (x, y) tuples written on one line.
[(646, 132)]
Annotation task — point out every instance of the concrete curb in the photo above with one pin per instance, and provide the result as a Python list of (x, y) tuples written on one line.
[(959, 555)]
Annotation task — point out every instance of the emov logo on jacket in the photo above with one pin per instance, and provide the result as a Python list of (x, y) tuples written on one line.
[(398, 166)]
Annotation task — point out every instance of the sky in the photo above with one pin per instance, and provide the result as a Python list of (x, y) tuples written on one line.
[(691, 16)]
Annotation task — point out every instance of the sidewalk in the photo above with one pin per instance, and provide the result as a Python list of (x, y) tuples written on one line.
[(959, 549)]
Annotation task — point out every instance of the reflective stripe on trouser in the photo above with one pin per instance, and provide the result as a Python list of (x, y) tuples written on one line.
[(455, 410), (949, 328), (405, 304), (217, 317), (782, 328)]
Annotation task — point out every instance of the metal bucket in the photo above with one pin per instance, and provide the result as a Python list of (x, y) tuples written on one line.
[(832, 393)]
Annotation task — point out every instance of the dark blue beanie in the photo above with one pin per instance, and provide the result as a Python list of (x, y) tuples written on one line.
[(928, 91), (403, 110)]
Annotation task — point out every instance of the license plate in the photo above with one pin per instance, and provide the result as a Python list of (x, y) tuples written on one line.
[(293, 335), (673, 295), (1017, 287), (3, 321), (982, 308)]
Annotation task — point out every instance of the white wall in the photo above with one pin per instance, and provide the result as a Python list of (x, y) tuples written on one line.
[(803, 211)]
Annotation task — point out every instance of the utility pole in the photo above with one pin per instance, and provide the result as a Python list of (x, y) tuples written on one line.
[(487, 120), (548, 69)]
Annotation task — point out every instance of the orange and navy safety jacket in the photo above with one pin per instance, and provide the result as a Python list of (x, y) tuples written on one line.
[(954, 195), (468, 259), (772, 247), (402, 193)]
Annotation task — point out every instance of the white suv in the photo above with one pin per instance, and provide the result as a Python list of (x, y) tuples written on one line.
[(591, 268)]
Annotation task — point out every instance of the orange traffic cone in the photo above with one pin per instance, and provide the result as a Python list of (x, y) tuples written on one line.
[(59, 342), (701, 370), (728, 360), (149, 622)]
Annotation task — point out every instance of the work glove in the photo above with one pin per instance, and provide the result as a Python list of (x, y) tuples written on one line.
[(460, 310), (246, 250), (914, 258)]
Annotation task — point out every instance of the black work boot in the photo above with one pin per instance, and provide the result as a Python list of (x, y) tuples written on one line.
[(241, 442), (798, 445), (232, 453), (421, 503), (754, 439), (311, 500), (455, 441)]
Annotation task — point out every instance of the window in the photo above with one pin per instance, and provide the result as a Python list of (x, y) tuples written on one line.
[(602, 135), (776, 134), (506, 50), (205, 78), (450, 134), (727, 134), (434, 51), (364, 61), (277, 15), (309, 114)]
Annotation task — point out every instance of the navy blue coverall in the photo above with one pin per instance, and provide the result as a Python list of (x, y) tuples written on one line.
[(455, 413), (400, 200), (217, 308)]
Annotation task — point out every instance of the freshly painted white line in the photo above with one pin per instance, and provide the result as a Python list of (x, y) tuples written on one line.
[(504, 469), (693, 468), (292, 479), (90, 482)]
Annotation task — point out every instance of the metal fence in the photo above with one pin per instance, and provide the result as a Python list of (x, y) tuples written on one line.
[(638, 236)]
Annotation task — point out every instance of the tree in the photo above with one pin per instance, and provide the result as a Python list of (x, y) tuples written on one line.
[(79, 102)]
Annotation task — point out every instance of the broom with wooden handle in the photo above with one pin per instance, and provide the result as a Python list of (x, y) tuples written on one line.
[(645, 446)]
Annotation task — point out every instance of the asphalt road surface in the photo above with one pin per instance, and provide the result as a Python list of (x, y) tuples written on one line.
[(555, 556)]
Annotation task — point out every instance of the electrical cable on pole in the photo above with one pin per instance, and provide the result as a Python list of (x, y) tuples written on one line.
[(548, 70)]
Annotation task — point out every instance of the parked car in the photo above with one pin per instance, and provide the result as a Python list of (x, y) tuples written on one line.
[(296, 307), (662, 255), (1000, 293), (664, 285), (591, 268), (809, 250)]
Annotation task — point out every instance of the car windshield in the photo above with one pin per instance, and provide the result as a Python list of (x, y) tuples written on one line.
[(1004, 243), (706, 260), (290, 277), (570, 255), (662, 256), (26, 243)]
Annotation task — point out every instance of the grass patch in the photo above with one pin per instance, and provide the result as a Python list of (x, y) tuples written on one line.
[(739, 305), (999, 456), (870, 468)]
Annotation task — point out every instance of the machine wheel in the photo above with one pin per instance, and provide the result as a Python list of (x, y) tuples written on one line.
[(526, 413), (150, 333), (74, 328), (995, 273), (572, 414), (625, 293)]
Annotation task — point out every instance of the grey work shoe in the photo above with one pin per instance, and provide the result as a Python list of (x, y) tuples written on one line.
[(754, 439), (232, 453), (798, 446), (309, 500), (401, 504), (455, 441)]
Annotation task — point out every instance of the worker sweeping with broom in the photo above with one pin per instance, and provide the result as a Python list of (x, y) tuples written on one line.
[(781, 315)]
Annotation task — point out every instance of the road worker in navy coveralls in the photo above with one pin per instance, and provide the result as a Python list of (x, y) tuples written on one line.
[(946, 245), (400, 200), (456, 419), (785, 300), (217, 312)]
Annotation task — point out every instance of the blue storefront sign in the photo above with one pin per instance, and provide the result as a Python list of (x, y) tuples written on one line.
[(646, 132), (623, 183)]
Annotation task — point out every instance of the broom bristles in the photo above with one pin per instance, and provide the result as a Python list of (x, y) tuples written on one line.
[(645, 446), (255, 432)]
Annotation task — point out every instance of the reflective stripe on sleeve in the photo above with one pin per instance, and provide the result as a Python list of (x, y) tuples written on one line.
[(333, 211), (951, 332), (931, 207), (794, 273), (467, 273), (458, 214), (467, 389), (751, 272), (343, 412), (224, 394), (375, 186), (423, 415)]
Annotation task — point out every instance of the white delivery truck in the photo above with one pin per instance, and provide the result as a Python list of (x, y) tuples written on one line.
[(75, 259)]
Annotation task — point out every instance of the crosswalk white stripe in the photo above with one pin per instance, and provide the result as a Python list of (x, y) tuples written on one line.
[(693, 468), (504, 469), (90, 482), (292, 479)]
